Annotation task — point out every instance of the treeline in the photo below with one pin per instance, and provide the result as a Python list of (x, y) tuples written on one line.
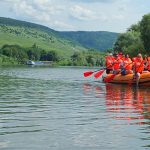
[(22, 55), (88, 58), (136, 39)]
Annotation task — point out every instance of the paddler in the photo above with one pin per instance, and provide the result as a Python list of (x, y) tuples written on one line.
[(116, 64), (126, 66), (146, 63), (138, 67), (109, 63)]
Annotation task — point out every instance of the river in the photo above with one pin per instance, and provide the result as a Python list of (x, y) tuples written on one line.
[(44, 108)]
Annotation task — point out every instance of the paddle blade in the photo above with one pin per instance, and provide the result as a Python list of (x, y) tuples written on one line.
[(86, 74), (99, 73), (110, 78)]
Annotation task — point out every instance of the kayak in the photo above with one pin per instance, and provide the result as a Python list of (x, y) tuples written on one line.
[(128, 79)]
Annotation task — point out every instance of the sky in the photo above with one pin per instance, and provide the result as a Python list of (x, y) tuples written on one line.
[(77, 15)]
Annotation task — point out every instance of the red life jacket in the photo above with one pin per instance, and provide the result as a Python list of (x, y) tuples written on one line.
[(109, 62), (148, 67), (139, 65), (117, 62), (127, 64)]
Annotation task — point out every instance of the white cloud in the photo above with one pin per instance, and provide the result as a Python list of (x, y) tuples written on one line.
[(24, 8), (93, 1), (112, 15), (81, 13), (62, 26), (43, 12), (8, 1), (118, 17)]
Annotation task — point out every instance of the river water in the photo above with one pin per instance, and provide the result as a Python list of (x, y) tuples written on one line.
[(59, 109)]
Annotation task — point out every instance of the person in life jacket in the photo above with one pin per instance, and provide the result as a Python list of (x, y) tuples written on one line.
[(146, 63), (138, 67), (120, 55), (126, 66), (109, 63), (116, 64)]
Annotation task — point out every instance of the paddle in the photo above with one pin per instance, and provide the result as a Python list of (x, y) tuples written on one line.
[(86, 74), (99, 73)]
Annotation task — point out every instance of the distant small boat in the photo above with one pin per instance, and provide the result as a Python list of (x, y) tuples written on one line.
[(30, 62)]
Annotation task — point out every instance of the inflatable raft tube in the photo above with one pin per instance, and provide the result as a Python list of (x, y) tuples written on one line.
[(128, 79)]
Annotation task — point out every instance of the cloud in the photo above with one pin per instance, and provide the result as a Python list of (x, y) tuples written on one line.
[(112, 15), (8, 1), (93, 1), (62, 26), (44, 12), (81, 13), (24, 8)]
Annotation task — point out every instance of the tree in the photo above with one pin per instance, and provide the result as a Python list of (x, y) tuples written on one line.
[(78, 59), (145, 32), (129, 42), (52, 56), (43, 55), (91, 60), (134, 27)]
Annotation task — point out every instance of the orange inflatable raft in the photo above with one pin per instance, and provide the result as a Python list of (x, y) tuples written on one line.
[(128, 79)]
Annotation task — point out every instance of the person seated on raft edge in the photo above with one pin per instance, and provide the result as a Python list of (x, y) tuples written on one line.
[(138, 67), (126, 66), (146, 63), (116, 64), (109, 63)]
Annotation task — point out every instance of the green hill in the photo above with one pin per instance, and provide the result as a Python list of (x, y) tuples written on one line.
[(100, 40), (26, 34)]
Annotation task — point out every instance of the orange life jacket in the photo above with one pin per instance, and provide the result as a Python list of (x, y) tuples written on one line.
[(148, 67), (109, 62), (139, 65), (127, 63), (147, 63), (117, 62)]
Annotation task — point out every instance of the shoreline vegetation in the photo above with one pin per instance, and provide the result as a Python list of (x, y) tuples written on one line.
[(17, 55), (135, 40)]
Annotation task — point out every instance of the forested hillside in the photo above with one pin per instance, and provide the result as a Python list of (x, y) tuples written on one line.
[(20, 41), (26, 34), (100, 40)]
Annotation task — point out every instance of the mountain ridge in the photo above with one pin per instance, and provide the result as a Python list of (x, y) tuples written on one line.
[(13, 30)]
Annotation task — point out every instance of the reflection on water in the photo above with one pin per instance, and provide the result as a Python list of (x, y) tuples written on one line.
[(56, 108), (125, 102), (128, 104)]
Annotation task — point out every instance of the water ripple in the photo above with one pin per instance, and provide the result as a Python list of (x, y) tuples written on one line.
[(57, 108)]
